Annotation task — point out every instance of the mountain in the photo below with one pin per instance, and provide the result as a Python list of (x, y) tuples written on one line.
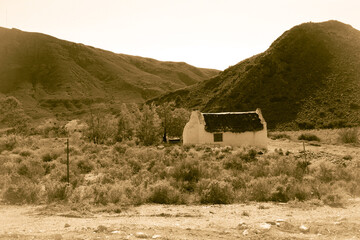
[(52, 76), (308, 78)]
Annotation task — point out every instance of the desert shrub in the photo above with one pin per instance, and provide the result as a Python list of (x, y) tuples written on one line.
[(288, 188), (8, 142), (349, 135), (158, 170), (333, 195), (163, 193), (282, 166), (115, 193), (81, 194), (25, 153), (259, 189), (57, 191), (342, 173), (106, 193), (146, 154), (135, 165), (49, 156), (277, 188), (278, 193), (120, 148), (52, 129), (133, 195), (187, 173), (309, 137), (249, 156), (215, 192), (333, 199), (100, 194), (85, 166), (32, 169), (302, 167), (233, 162), (305, 124), (289, 166), (275, 136), (22, 192), (301, 192), (187, 170), (326, 172), (260, 168), (48, 167)]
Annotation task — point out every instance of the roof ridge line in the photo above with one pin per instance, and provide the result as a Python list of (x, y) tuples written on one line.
[(231, 112)]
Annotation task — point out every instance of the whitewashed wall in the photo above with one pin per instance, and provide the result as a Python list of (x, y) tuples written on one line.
[(194, 133)]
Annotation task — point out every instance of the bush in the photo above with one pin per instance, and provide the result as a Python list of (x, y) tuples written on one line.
[(326, 172), (250, 156), (50, 156), (32, 169), (334, 198), (259, 189), (164, 193), (120, 148), (187, 170), (57, 191), (8, 143), (309, 137), (233, 162), (279, 136), (349, 135), (216, 192), (100, 193), (85, 166), (23, 192)]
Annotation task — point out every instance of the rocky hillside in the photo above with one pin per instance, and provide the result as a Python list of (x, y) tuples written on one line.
[(308, 78), (48, 75)]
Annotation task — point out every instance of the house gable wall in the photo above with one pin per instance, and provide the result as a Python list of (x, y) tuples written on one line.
[(195, 133)]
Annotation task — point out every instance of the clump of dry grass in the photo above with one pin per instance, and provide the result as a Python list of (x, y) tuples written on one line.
[(309, 137), (349, 135), (275, 136)]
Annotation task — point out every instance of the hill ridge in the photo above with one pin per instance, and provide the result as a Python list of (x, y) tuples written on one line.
[(309, 77), (49, 75)]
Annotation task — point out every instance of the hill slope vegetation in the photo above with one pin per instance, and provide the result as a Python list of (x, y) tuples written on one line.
[(48, 75), (308, 78)]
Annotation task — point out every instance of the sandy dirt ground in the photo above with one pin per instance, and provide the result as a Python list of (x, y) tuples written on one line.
[(236, 221), (293, 220)]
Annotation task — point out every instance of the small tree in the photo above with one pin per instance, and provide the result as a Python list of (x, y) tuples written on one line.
[(164, 112), (178, 120), (12, 114), (126, 124), (173, 119), (101, 128), (148, 131)]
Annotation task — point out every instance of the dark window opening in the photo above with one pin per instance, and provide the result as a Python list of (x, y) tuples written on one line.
[(218, 137)]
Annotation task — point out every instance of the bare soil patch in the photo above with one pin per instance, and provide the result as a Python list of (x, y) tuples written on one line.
[(261, 221)]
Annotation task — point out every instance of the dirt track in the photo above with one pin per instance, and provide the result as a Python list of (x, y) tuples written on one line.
[(237, 221)]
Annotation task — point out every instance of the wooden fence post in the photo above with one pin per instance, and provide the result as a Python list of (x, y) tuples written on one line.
[(67, 162), (304, 151)]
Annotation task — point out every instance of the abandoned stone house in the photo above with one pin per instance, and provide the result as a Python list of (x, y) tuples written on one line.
[(226, 128)]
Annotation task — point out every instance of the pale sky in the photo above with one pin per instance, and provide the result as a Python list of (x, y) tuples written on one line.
[(204, 33)]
